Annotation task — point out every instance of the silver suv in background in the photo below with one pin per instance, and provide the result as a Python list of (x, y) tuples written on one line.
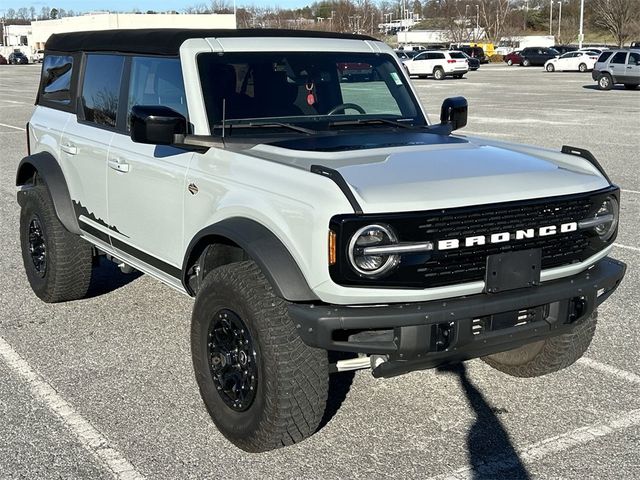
[(617, 66)]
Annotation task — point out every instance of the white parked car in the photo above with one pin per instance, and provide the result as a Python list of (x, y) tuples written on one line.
[(439, 64), (581, 61)]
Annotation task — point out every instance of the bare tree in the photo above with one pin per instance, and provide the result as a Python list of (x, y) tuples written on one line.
[(618, 17), (23, 13), (494, 14), (11, 14), (32, 13)]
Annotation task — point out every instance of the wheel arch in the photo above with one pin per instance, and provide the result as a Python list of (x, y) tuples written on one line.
[(45, 166), (240, 238)]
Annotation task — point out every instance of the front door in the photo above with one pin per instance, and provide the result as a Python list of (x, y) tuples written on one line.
[(146, 184)]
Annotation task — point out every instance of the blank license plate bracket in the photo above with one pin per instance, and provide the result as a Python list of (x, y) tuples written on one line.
[(512, 270)]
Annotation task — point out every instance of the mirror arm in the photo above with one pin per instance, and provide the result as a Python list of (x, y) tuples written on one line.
[(198, 142)]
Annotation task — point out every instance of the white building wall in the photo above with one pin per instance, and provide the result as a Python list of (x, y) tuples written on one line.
[(42, 30)]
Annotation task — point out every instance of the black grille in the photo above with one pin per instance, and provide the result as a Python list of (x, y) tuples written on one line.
[(467, 264)]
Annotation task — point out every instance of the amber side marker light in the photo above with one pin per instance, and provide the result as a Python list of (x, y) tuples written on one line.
[(332, 247)]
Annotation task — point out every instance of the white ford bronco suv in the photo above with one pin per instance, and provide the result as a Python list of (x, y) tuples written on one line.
[(309, 212)]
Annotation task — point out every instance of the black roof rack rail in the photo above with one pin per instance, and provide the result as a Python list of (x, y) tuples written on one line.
[(339, 180), (587, 155)]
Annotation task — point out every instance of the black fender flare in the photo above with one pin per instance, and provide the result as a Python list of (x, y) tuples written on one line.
[(263, 247), (48, 169)]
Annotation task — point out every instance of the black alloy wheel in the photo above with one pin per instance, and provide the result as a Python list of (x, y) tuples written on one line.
[(37, 246), (232, 360)]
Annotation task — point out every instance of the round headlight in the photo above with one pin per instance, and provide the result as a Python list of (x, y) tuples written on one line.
[(372, 265), (608, 214)]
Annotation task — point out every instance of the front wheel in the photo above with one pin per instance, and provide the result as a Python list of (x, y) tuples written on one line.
[(582, 67), (509, 62), (546, 356), (526, 62), (263, 387), (605, 82), (550, 68)]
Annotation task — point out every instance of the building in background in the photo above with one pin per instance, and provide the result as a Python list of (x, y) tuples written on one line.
[(42, 30), (16, 35)]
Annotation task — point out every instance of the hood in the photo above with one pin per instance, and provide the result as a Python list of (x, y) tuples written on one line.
[(423, 171)]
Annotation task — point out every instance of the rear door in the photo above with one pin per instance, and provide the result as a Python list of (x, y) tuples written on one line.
[(147, 183), (86, 139), (633, 68)]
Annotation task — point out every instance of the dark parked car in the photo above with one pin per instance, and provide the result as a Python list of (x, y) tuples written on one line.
[(474, 52), (3, 61), (562, 49), (474, 63), (537, 56), (18, 58), (513, 58)]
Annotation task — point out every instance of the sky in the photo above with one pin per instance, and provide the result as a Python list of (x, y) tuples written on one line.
[(142, 5)]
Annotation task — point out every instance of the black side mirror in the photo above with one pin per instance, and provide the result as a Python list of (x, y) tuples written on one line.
[(156, 124), (454, 112)]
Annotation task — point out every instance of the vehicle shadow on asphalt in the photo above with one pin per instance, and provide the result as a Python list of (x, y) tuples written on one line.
[(107, 277), (491, 452), (339, 386), (615, 87)]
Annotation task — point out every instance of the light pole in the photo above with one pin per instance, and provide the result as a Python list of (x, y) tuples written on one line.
[(559, 18), (526, 14), (581, 35), (551, 17), (477, 32)]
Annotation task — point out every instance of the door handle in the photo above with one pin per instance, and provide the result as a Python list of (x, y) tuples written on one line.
[(119, 165), (69, 148)]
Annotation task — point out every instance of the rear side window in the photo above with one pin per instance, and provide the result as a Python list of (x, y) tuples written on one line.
[(437, 56), (620, 57), (604, 56), (56, 79), (634, 58), (156, 81), (101, 89), (456, 55)]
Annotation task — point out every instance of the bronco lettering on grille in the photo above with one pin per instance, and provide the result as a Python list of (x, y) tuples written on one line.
[(503, 237)]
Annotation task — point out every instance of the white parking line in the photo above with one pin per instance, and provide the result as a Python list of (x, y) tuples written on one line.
[(493, 467), (11, 126), (609, 370), (88, 436), (629, 191), (635, 249)]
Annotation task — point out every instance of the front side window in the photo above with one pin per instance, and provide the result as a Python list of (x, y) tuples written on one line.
[(297, 87), (56, 82), (101, 89), (156, 81), (619, 58)]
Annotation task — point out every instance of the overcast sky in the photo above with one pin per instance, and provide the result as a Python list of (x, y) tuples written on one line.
[(142, 5)]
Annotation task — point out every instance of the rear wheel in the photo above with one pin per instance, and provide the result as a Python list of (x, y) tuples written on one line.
[(605, 82), (550, 67), (631, 86), (438, 73), (546, 356), (263, 387), (58, 263), (582, 67)]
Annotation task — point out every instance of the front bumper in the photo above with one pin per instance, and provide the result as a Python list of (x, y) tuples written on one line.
[(423, 335)]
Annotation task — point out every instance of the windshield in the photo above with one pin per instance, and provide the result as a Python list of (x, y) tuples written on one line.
[(302, 87)]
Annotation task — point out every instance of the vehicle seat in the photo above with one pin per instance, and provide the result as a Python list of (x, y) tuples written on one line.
[(223, 86)]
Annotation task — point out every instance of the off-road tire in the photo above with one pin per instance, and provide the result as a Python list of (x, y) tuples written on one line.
[(292, 378), (67, 274), (630, 86), (550, 68), (526, 62), (605, 82), (546, 356), (582, 67)]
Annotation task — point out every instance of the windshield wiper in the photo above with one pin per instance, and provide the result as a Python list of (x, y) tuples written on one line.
[(368, 121), (295, 128)]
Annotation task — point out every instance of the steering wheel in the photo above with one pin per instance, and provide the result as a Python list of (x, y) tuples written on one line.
[(344, 106)]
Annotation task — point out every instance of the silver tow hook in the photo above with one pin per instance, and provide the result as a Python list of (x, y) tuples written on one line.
[(360, 363)]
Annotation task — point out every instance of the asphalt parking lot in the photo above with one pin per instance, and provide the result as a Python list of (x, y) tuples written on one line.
[(103, 387)]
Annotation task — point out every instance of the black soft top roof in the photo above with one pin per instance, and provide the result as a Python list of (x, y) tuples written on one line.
[(167, 41)]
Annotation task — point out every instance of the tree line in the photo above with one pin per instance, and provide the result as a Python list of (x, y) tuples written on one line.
[(464, 20)]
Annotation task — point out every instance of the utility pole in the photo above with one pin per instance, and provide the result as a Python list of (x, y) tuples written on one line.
[(581, 35), (526, 14), (475, 36), (559, 18), (551, 17)]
